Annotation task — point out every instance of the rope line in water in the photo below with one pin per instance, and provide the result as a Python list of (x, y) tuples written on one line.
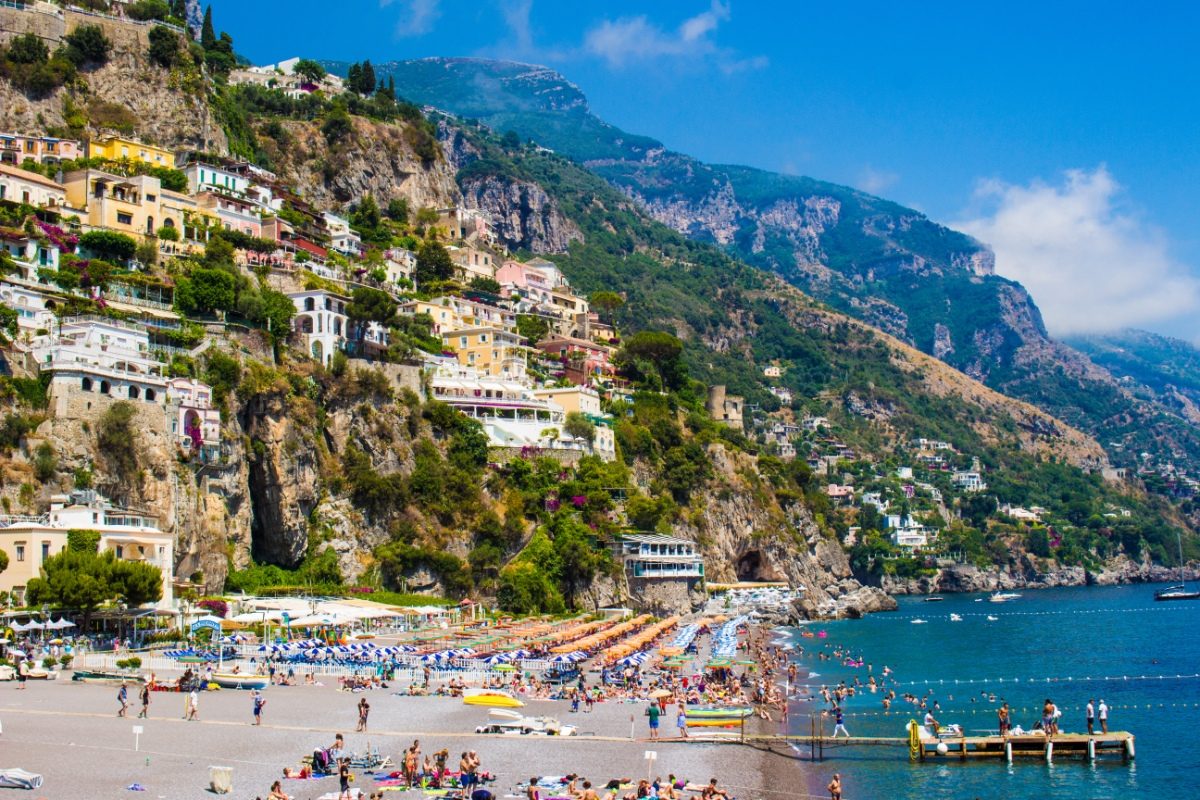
[(972, 681), (997, 613), (908, 711)]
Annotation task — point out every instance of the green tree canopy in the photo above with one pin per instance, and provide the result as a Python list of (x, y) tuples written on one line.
[(109, 245), (206, 290), (87, 44), (433, 263), (164, 46), (310, 70), (606, 302)]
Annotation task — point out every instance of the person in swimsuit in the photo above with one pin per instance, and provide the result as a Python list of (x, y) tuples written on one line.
[(835, 787), (344, 779), (1002, 716)]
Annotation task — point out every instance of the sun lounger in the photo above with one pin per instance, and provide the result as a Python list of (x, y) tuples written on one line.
[(19, 779)]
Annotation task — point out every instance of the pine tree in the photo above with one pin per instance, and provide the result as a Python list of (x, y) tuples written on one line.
[(367, 82), (353, 77), (208, 35)]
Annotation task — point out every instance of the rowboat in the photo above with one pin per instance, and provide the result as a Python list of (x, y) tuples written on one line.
[(490, 698), (233, 680)]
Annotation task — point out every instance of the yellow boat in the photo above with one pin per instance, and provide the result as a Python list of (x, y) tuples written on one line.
[(714, 722), (491, 699)]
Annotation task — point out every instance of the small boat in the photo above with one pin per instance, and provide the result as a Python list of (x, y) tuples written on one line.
[(1179, 591), (991, 618), (234, 680), (1003, 597), (101, 676), (507, 722), (490, 698), (933, 598), (715, 722), (918, 622), (955, 618), (718, 713)]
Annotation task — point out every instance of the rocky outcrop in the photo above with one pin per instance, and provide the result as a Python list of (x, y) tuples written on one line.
[(375, 158), (1029, 572), (127, 95), (523, 216)]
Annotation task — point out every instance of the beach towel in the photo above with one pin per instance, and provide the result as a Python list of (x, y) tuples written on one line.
[(19, 779), (355, 793)]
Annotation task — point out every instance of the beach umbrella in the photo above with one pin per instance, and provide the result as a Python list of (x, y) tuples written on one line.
[(60, 624), (657, 693)]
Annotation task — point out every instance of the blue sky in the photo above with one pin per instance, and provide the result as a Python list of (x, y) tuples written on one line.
[(1065, 134)]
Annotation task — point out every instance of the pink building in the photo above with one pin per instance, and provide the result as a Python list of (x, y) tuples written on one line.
[(15, 148), (234, 213), (536, 278)]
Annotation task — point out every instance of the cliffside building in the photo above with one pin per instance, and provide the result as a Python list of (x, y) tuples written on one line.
[(15, 148), (20, 186), (662, 571), (725, 408), (116, 148), (131, 536)]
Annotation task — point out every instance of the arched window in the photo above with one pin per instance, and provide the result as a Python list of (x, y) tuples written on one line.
[(87, 384), (151, 395), (133, 393), (310, 304), (104, 387)]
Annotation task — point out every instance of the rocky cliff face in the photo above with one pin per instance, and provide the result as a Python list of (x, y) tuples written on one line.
[(523, 216), (376, 158), (127, 95), (1030, 572)]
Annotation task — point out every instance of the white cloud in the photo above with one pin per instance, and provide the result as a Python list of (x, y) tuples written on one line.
[(420, 16), (516, 18), (627, 40), (874, 181), (1090, 264)]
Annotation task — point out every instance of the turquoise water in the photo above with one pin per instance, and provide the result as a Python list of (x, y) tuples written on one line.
[(1089, 642)]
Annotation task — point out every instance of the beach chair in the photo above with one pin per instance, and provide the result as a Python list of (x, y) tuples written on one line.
[(19, 779)]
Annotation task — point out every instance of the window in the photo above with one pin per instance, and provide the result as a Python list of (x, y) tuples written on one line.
[(151, 396), (45, 550), (120, 551), (124, 219), (20, 547), (87, 384)]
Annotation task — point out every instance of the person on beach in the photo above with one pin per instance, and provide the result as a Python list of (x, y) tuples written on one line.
[(835, 787), (1103, 716), (1048, 717), (259, 702), (364, 709), (711, 792), (123, 699), (653, 712), (277, 792), (681, 721), (145, 698), (839, 722), (344, 779), (22, 672), (1090, 715), (412, 762), (193, 705)]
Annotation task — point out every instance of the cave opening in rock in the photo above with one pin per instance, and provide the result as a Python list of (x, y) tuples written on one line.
[(750, 566)]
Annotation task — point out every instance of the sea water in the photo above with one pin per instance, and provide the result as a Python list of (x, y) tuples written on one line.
[(1112, 643)]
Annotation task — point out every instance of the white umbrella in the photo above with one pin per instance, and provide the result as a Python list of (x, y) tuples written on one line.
[(60, 624)]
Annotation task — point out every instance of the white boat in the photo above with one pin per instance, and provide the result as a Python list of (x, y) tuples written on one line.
[(955, 618), (918, 622), (1179, 591), (991, 618), (512, 723), (1003, 597)]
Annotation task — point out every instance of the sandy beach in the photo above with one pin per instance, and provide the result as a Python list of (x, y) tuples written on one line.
[(69, 732)]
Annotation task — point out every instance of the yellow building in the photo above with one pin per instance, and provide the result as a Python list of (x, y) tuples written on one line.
[(138, 206), (114, 148), (491, 351)]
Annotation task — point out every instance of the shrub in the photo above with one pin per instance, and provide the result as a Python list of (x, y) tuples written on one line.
[(87, 45), (217, 606), (109, 245), (117, 439), (164, 46), (28, 48), (146, 10)]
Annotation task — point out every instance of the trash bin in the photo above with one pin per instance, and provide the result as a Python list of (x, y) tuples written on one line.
[(220, 779)]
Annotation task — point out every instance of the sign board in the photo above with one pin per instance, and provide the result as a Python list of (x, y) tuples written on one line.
[(651, 755), (137, 729), (202, 624)]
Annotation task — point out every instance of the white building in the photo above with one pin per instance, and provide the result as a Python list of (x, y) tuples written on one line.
[(783, 393), (130, 535), (585, 400), (772, 371), (511, 415), (30, 252), (321, 322), (195, 423), (201, 176), (656, 556), (400, 264), (969, 481), (341, 237), (815, 423), (108, 357), (20, 186), (33, 309)]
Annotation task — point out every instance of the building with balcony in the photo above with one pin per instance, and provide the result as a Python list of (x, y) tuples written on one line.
[(651, 555), (471, 262), (511, 415), (342, 237), (15, 148), (129, 534), (490, 350), (232, 213), (586, 401), (21, 186), (101, 357), (321, 322), (195, 422), (30, 252), (116, 148), (450, 313), (583, 361), (138, 205), (35, 311), (206, 177)]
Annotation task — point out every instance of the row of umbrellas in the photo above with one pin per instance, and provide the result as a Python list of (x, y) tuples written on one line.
[(34, 625), (601, 637), (726, 641)]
